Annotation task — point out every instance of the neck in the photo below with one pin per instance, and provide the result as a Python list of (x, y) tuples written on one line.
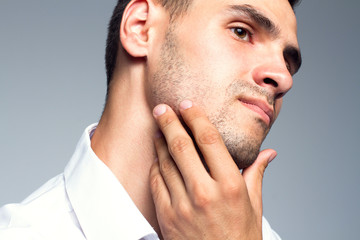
[(123, 140)]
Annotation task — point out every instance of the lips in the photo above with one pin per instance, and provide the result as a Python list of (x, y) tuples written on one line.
[(261, 107)]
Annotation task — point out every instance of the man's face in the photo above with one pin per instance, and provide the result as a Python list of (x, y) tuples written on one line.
[(233, 58)]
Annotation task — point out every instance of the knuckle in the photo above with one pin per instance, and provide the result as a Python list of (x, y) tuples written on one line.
[(166, 120), (201, 197), (232, 189), (154, 181), (154, 185), (194, 114), (153, 174), (201, 201), (167, 166), (209, 136), (184, 211), (179, 145)]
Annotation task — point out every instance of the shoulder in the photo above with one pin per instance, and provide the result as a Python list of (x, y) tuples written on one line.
[(45, 211)]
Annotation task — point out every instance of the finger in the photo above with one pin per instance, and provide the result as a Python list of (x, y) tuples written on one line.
[(209, 141), (169, 171), (180, 146), (253, 177), (159, 191)]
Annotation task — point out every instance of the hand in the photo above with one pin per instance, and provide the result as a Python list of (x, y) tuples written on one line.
[(192, 203)]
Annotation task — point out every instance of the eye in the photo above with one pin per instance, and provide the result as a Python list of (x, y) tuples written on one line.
[(288, 66), (241, 33)]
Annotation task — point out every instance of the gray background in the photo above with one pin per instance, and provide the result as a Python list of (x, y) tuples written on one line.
[(52, 85)]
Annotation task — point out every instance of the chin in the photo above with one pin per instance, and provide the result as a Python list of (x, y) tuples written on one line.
[(244, 144), (244, 153)]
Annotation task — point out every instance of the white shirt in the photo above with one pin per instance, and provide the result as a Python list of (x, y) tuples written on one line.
[(85, 202)]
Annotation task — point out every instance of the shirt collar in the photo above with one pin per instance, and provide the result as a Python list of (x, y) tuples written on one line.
[(101, 204)]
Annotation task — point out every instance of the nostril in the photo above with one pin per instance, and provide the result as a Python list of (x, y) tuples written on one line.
[(270, 81)]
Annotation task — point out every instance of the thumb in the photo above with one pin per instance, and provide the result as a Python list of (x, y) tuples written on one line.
[(253, 176)]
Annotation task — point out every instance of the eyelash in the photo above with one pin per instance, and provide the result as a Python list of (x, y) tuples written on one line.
[(249, 33), (288, 66), (249, 36)]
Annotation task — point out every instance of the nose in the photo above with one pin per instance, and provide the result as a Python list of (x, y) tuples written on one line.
[(274, 76)]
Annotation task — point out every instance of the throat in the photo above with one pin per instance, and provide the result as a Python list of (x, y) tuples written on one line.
[(128, 151)]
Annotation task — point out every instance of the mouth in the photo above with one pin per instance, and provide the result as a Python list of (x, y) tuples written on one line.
[(261, 107)]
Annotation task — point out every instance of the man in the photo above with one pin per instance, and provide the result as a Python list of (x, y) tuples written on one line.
[(193, 89)]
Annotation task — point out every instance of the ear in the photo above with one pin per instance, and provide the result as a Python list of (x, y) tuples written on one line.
[(134, 28)]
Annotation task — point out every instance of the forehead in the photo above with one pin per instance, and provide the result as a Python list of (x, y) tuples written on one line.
[(278, 12)]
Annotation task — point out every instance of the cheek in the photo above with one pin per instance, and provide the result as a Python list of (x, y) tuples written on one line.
[(212, 52)]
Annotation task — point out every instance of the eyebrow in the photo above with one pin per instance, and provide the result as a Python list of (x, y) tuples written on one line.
[(256, 16), (291, 53)]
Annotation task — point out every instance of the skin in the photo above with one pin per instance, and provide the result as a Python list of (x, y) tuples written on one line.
[(234, 71), (198, 57), (193, 203)]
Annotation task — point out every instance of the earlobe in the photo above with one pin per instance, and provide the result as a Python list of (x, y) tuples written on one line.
[(133, 29)]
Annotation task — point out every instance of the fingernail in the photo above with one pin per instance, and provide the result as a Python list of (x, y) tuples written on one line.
[(272, 157), (186, 104), (159, 110)]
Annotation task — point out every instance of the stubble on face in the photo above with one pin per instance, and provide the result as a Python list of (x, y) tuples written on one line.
[(175, 81)]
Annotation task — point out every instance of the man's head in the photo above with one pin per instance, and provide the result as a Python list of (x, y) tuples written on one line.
[(175, 8), (235, 58)]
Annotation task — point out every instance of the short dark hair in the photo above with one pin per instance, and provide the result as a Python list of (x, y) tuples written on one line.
[(175, 8)]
